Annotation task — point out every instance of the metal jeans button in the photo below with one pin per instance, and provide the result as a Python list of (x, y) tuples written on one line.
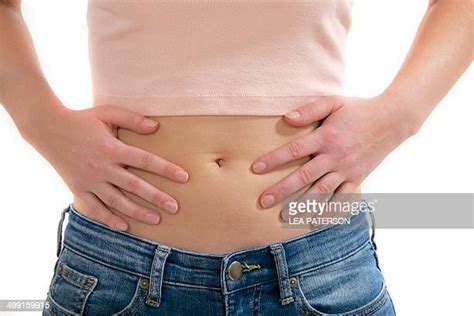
[(144, 283), (293, 282), (235, 270)]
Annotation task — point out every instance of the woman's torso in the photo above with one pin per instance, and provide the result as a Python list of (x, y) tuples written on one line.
[(217, 75), (218, 207)]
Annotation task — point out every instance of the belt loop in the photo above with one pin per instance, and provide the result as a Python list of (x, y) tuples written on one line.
[(372, 221), (278, 252), (156, 275), (60, 231)]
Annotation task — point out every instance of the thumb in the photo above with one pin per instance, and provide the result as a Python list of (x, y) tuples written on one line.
[(127, 119), (312, 112)]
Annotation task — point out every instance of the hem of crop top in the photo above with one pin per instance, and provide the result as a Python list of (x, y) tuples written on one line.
[(207, 105)]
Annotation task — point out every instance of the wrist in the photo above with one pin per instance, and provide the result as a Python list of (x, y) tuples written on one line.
[(404, 110), (37, 125), (32, 104)]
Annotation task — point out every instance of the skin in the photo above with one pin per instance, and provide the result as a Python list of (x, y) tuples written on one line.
[(218, 206), (125, 171), (93, 173), (345, 151)]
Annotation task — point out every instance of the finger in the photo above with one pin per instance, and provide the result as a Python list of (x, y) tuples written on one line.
[(112, 197), (326, 185), (305, 175), (127, 119), (134, 184), (319, 192), (345, 192), (296, 149), (312, 112), (102, 213), (145, 160), (323, 189), (346, 187)]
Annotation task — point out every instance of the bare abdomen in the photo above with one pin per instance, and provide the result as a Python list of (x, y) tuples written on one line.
[(218, 207)]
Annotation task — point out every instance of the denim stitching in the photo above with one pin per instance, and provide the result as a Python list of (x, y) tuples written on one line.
[(373, 306), (256, 300), (64, 271), (56, 306), (278, 253), (68, 247), (347, 255), (132, 302), (59, 234), (299, 272)]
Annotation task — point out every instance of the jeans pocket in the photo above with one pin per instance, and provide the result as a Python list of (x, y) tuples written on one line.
[(137, 303), (114, 291), (376, 306), (349, 286), (69, 291)]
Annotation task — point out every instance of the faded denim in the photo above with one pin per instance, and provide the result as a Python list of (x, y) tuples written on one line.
[(332, 270)]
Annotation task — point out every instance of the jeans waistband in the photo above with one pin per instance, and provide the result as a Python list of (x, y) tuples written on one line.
[(168, 264)]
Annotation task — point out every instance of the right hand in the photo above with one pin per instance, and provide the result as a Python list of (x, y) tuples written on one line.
[(83, 147)]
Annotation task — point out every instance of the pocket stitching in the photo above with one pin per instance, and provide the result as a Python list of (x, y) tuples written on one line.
[(335, 261), (106, 265), (65, 272), (372, 306), (136, 295), (59, 307)]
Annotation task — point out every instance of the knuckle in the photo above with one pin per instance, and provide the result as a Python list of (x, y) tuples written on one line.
[(107, 147), (145, 160), (294, 149), (306, 175), (322, 187), (135, 120), (330, 135), (158, 198), (283, 191), (343, 153), (133, 185), (168, 169), (93, 165), (317, 142), (112, 200)]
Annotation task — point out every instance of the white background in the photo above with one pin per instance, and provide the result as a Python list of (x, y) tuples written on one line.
[(428, 272)]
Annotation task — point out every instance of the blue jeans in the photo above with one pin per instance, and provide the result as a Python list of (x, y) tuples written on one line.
[(330, 270)]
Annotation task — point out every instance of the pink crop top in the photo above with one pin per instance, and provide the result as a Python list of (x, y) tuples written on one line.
[(216, 57)]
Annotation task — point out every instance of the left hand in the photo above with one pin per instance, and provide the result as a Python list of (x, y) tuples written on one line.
[(355, 136)]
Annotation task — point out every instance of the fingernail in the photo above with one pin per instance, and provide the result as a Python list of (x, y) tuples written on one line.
[(152, 218), (181, 176), (259, 166), (121, 226), (293, 115), (150, 123), (267, 200), (171, 206)]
